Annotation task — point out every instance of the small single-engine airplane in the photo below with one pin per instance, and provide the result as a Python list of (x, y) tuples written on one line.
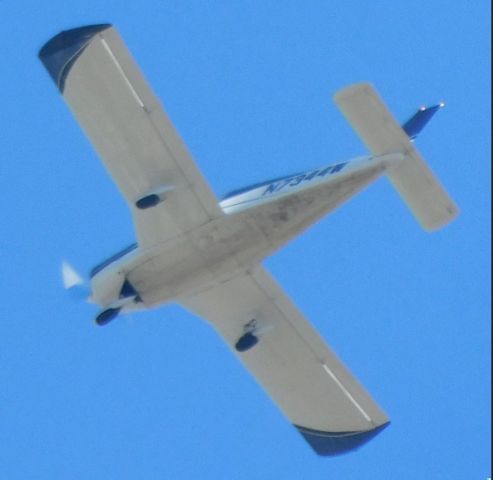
[(205, 255)]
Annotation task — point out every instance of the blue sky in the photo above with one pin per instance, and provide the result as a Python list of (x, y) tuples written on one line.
[(249, 84)]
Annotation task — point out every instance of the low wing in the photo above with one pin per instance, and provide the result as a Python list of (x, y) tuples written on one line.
[(297, 369), (127, 126)]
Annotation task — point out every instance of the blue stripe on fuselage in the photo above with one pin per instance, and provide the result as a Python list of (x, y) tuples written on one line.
[(113, 258), (277, 184)]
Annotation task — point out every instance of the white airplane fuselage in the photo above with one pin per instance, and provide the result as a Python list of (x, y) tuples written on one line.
[(256, 222), (206, 255)]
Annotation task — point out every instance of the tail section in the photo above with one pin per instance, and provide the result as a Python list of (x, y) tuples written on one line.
[(414, 181)]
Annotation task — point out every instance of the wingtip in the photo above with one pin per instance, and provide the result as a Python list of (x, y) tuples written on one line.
[(330, 444), (60, 52)]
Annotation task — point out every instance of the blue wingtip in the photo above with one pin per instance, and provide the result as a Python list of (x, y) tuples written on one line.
[(338, 443), (418, 121), (60, 52)]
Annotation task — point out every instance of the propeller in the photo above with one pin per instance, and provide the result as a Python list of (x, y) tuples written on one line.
[(73, 282), (79, 289)]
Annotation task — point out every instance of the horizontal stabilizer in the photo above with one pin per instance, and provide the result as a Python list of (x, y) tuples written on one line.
[(423, 194), (415, 182)]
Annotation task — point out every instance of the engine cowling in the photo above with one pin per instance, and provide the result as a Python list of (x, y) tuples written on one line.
[(107, 285)]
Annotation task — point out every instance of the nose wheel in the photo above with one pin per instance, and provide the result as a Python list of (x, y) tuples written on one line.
[(107, 315)]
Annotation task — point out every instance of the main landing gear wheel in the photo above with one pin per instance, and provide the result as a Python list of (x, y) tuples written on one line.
[(107, 315), (246, 341)]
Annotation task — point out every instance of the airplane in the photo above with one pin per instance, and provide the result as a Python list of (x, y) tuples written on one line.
[(206, 254)]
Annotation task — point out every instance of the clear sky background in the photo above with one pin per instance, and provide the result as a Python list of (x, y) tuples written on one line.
[(249, 84)]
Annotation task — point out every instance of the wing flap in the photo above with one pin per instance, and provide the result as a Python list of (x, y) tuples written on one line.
[(302, 375)]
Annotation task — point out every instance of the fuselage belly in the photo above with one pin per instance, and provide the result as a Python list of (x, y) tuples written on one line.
[(216, 251)]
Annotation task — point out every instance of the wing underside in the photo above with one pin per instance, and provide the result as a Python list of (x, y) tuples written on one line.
[(129, 129), (293, 364)]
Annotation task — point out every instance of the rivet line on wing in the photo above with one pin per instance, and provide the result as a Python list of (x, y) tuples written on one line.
[(122, 73), (348, 395)]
